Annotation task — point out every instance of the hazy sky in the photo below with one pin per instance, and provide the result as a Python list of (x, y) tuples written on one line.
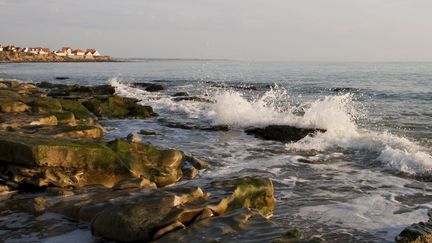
[(294, 30)]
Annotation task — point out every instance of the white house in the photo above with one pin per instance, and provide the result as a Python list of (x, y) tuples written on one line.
[(25, 49), (67, 50), (61, 53), (1, 47), (78, 52), (9, 48), (88, 55), (94, 52)]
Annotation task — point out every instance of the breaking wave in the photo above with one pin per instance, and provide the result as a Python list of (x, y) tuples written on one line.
[(337, 114)]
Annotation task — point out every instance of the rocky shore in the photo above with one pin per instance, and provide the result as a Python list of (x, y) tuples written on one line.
[(54, 159), (16, 57)]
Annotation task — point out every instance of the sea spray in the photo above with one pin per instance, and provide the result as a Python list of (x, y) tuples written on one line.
[(337, 114)]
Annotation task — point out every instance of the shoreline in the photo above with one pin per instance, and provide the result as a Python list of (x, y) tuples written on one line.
[(53, 151), (17, 57)]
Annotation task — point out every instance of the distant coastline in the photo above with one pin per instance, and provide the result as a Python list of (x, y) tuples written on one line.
[(19, 57), (13, 54)]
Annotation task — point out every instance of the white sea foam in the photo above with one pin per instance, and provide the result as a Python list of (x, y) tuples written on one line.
[(336, 114), (157, 101)]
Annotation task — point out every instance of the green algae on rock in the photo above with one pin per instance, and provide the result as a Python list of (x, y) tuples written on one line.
[(118, 107), (95, 161), (138, 220)]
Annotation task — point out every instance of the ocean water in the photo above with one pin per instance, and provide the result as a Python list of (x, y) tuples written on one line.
[(370, 174)]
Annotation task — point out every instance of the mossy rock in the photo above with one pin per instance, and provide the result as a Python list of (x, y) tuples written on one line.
[(11, 106), (100, 162), (145, 160), (9, 94), (80, 112), (247, 192), (118, 108), (80, 131), (43, 105), (65, 118)]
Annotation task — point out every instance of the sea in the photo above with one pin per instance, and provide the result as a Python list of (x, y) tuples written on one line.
[(364, 180)]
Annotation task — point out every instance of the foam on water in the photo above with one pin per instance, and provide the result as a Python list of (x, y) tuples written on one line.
[(337, 114), (158, 102)]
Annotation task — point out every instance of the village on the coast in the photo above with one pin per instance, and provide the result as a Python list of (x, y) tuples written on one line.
[(63, 52)]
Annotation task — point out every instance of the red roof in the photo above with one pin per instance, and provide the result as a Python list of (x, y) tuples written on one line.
[(78, 50)]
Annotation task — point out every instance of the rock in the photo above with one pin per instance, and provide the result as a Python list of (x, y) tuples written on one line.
[(183, 94), (291, 236), (118, 107), (240, 87), (344, 89), (9, 94), (140, 220), (192, 98), (149, 132), (192, 127), (13, 107), (63, 162), (417, 233), (246, 192), (4, 188), (196, 162), (3, 85), (133, 138), (66, 118), (43, 105), (216, 128), (239, 225), (189, 172), (80, 112), (160, 166), (282, 133), (156, 215), (59, 192), (62, 90), (134, 183), (154, 88), (81, 131), (11, 120), (48, 85)]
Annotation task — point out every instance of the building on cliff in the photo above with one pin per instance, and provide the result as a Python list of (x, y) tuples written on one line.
[(1, 47)]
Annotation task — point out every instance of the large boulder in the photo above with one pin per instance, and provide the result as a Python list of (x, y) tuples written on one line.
[(118, 107), (417, 233), (245, 192), (140, 220), (154, 216), (94, 161), (144, 160), (282, 133), (240, 225)]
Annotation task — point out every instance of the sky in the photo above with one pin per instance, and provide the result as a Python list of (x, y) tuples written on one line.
[(273, 30)]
